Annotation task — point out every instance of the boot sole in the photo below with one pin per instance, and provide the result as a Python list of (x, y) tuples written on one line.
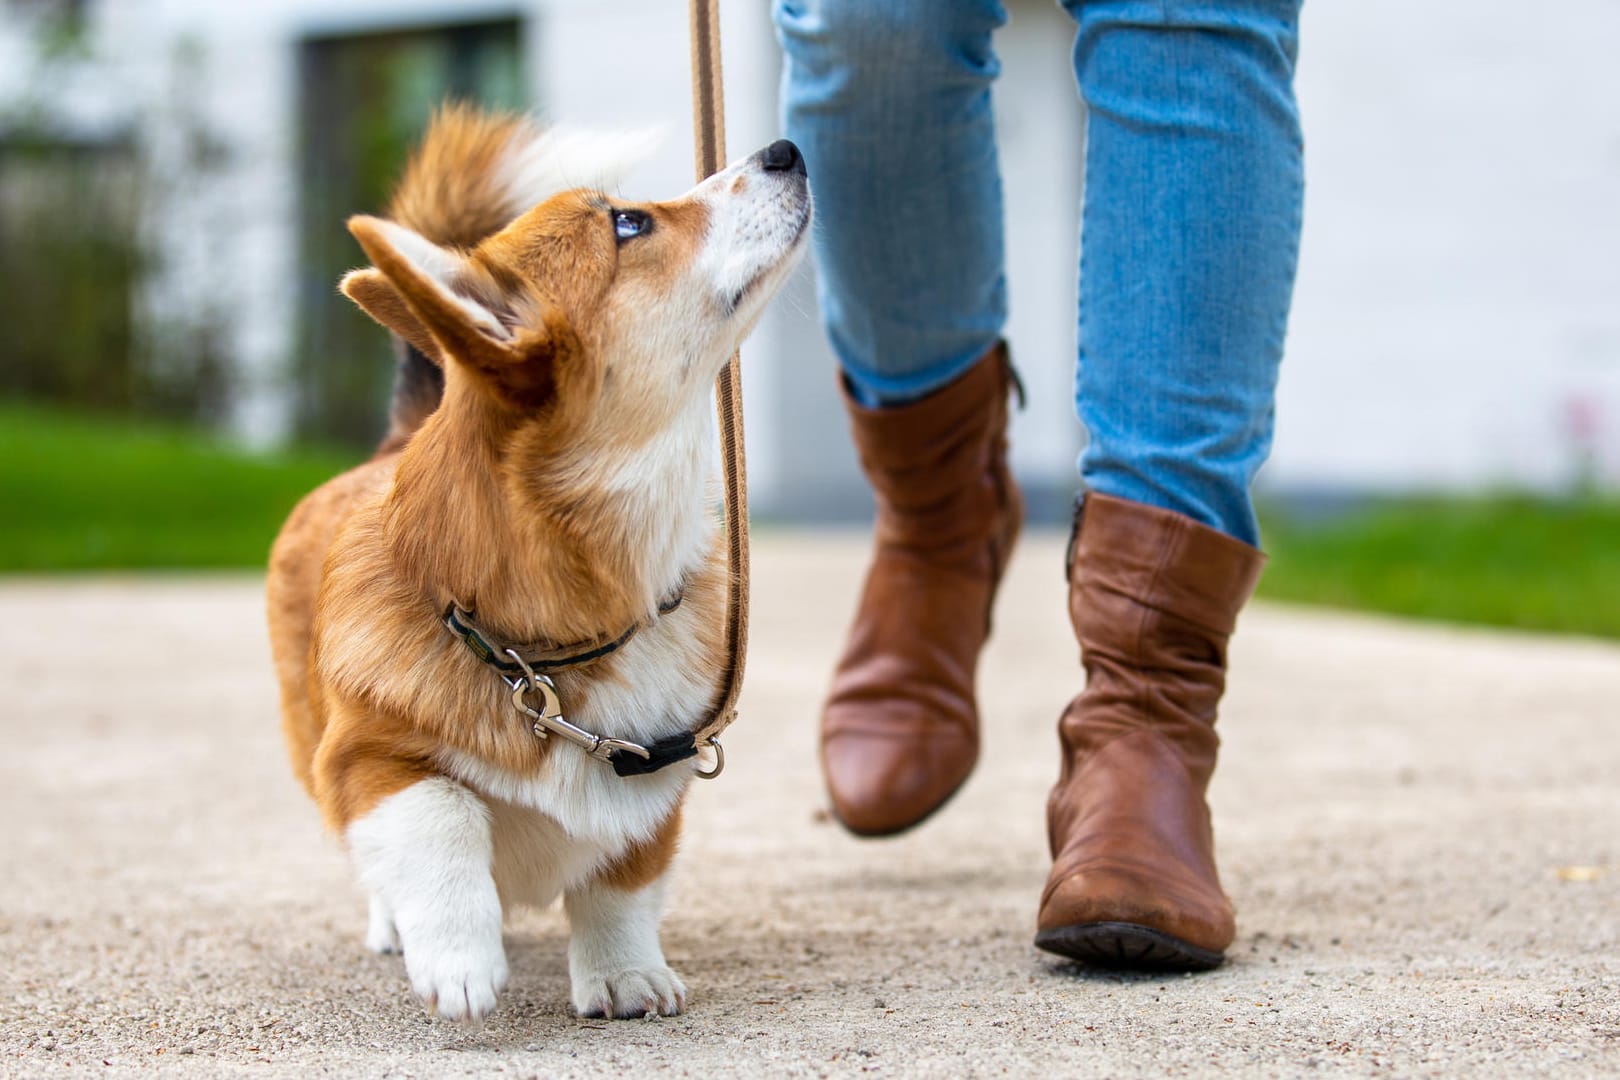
[(1126, 947)]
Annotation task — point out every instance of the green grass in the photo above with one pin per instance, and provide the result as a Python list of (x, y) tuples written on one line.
[(1511, 561), (91, 493), (84, 493)]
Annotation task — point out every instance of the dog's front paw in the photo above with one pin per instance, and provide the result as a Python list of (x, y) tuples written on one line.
[(626, 995), (460, 980)]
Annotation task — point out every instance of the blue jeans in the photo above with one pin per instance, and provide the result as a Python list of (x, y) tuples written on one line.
[(1190, 222)]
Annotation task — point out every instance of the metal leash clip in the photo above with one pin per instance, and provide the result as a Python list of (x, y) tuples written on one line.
[(548, 719)]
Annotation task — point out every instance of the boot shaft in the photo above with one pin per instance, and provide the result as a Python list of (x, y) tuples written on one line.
[(937, 465), (1153, 598)]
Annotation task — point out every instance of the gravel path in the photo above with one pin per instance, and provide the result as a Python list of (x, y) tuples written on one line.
[(1420, 827)]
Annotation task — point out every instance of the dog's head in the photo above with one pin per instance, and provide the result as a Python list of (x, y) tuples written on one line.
[(588, 310)]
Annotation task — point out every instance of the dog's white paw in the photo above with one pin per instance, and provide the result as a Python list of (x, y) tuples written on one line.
[(425, 852), (381, 937), (458, 979), (626, 995)]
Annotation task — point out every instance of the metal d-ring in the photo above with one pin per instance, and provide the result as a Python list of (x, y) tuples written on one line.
[(713, 742)]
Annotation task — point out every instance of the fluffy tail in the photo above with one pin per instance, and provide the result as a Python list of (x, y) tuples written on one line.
[(473, 174)]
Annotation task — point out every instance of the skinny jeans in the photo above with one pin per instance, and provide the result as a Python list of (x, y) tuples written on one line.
[(1190, 220)]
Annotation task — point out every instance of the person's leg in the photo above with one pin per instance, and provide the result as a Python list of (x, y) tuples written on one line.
[(1194, 184), (1190, 232), (890, 104)]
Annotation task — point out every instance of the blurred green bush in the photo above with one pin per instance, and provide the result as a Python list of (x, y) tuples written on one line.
[(71, 269)]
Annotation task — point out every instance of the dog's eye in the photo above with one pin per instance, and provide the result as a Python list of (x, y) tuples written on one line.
[(628, 224)]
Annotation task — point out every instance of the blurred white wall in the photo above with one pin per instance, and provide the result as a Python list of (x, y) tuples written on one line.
[(1457, 319)]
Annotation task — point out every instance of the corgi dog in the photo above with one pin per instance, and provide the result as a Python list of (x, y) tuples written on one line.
[(496, 638)]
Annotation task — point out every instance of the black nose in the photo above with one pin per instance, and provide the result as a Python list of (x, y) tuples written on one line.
[(782, 156)]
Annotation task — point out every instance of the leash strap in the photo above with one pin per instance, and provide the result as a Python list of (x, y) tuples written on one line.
[(709, 138), (659, 754)]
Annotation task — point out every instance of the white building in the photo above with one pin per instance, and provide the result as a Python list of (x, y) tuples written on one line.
[(1456, 323)]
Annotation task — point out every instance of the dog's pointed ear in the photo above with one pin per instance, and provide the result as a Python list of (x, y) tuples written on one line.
[(377, 297), (438, 286), (426, 275)]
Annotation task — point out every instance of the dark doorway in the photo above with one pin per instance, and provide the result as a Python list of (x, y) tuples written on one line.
[(365, 101)]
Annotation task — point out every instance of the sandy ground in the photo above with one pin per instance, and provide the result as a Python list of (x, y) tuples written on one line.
[(1405, 813)]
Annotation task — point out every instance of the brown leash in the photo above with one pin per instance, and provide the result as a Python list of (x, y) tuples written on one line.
[(709, 139)]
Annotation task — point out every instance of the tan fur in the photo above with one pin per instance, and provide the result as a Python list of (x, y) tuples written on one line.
[(381, 550), (646, 861), (377, 297), (558, 484), (451, 193), (480, 507), (451, 189), (294, 579)]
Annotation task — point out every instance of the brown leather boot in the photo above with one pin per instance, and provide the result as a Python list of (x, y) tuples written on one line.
[(1153, 597), (900, 732)]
